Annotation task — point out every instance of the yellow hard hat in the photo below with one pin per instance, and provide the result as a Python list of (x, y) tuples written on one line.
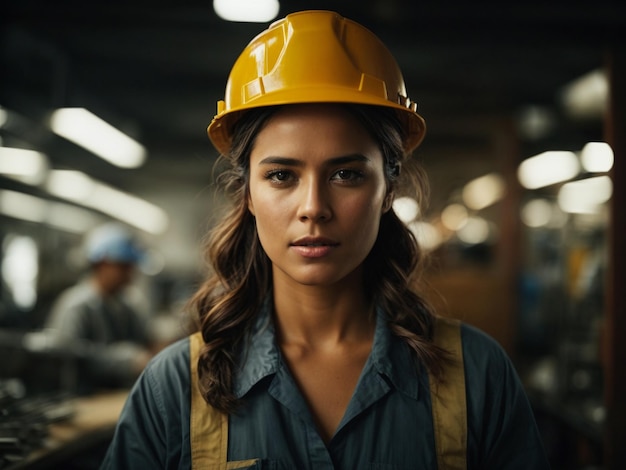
[(314, 57)]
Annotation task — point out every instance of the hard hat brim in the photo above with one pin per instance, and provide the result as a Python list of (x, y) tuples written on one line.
[(220, 128)]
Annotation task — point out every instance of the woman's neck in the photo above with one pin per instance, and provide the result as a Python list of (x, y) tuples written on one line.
[(323, 315)]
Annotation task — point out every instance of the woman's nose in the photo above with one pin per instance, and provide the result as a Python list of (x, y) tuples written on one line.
[(315, 202)]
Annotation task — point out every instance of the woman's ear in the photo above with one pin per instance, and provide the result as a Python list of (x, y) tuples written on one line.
[(250, 206), (388, 202)]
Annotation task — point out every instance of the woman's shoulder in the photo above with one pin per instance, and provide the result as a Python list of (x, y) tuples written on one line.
[(156, 414), (165, 381), (500, 419), (484, 356), (475, 339), (171, 360)]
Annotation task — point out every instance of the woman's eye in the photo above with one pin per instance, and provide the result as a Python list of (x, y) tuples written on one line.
[(348, 175), (278, 176)]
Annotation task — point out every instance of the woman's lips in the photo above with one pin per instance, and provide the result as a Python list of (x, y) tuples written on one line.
[(314, 247)]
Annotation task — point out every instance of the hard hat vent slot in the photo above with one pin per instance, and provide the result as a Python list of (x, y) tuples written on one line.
[(373, 85), (252, 90)]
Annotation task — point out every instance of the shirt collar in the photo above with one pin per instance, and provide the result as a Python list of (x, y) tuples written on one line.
[(260, 356), (390, 356)]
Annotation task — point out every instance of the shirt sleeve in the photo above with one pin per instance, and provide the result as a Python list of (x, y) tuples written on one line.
[(502, 432), (67, 317), (153, 428)]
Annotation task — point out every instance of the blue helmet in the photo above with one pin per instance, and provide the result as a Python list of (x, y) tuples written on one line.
[(113, 242)]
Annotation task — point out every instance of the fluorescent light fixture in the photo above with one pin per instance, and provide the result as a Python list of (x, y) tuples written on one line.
[(24, 165), (20, 269), (597, 157), (79, 187), (585, 196), (70, 184), (587, 96), (96, 135), (406, 208), (454, 217), (484, 191), (35, 209), (23, 206), (250, 11), (70, 218), (548, 168), (130, 209)]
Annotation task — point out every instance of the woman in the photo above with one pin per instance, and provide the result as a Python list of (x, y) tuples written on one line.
[(315, 350)]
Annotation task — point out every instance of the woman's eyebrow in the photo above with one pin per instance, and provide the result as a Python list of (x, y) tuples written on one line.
[(356, 157), (341, 160), (281, 161)]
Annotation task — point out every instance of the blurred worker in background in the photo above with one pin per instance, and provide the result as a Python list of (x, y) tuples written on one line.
[(101, 318)]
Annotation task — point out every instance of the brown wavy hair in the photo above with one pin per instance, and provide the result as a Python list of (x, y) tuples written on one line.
[(228, 301)]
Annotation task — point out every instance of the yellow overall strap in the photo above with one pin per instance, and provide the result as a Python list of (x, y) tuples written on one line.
[(208, 428), (448, 400)]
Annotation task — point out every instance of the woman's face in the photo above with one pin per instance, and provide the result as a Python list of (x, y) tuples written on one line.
[(317, 192)]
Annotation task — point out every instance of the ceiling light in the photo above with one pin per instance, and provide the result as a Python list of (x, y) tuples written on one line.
[(89, 131), (484, 191), (548, 168), (81, 188), (35, 209), (20, 269), (24, 165), (70, 184), (454, 216), (587, 96), (23, 206), (475, 231), (70, 218), (251, 11), (536, 213), (130, 209), (585, 196), (597, 157)]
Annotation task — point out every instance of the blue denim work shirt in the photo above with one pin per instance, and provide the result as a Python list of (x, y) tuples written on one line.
[(387, 425)]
